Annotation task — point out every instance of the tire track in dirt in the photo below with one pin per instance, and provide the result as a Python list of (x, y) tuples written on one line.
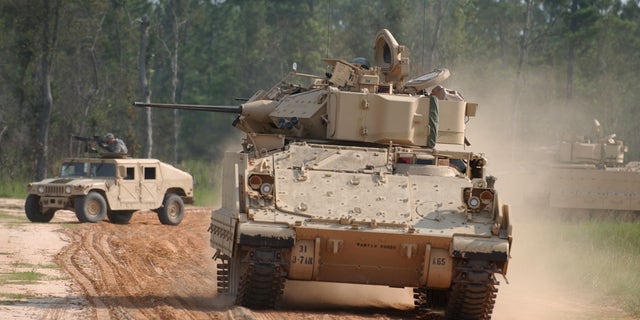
[(144, 270), (116, 282), (69, 258)]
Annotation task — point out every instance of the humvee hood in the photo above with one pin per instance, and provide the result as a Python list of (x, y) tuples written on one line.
[(68, 181)]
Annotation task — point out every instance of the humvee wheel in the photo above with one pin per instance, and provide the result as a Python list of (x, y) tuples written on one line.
[(119, 216), (34, 211), (91, 208), (172, 210)]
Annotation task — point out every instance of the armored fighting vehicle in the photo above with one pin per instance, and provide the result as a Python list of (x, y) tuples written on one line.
[(111, 186), (590, 175), (344, 180)]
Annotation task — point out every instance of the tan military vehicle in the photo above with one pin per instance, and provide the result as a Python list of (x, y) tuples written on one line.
[(341, 180), (112, 187), (590, 174)]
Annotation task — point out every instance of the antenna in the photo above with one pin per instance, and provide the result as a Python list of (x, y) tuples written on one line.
[(329, 16), (424, 53)]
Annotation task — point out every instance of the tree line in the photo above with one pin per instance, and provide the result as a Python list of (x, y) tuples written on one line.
[(74, 67)]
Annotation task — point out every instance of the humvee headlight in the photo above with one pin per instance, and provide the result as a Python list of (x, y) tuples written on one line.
[(41, 189), (473, 202), (266, 188), (67, 189)]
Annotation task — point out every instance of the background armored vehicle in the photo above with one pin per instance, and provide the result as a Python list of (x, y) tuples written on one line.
[(590, 174), (340, 181), (111, 187)]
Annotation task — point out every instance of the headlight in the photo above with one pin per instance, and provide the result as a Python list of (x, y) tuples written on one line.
[(255, 181), (41, 189), (266, 188), (474, 202), (486, 197), (67, 189)]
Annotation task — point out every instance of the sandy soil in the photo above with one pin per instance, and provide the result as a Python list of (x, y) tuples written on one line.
[(145, 270)]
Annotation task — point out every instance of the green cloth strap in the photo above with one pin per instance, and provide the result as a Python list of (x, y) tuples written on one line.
[(433, 122)]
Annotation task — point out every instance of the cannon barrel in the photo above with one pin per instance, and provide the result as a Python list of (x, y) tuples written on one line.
[(197, 107)]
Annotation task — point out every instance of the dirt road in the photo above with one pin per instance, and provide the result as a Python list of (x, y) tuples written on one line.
[(145, 270)]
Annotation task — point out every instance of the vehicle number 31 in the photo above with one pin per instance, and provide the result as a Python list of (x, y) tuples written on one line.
[(303, 254)]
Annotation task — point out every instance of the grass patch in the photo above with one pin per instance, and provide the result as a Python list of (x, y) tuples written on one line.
[(601, 257), (70, 225), (18, 264), (24, 277), (13, 188), (12, 220), (12, 217), (25, 265), (11, 298)]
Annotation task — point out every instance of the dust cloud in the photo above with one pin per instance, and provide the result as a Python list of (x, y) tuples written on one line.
[(517, 135), (320, 295)]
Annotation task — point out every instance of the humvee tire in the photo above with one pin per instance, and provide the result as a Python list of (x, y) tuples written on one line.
[(172, 210), (119, 216), (91, 208), (34, 211)]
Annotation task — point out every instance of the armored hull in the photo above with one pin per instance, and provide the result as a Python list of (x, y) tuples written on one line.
[(589, 174), (391, 216), (611, 190)]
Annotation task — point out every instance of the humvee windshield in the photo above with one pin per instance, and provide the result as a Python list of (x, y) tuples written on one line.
[(86, 169), (74, 169), (103, 170)]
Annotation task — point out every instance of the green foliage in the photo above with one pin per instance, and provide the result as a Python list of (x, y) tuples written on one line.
[(22, 277), (4, 217), (599, 257), (207, 176), (227, 50), (13, 189), (11, 298)]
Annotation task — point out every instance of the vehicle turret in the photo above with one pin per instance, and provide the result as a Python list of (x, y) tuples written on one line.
[(351, 102), (597, 149)]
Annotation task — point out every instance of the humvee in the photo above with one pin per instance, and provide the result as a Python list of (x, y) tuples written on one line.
[(113, 187)]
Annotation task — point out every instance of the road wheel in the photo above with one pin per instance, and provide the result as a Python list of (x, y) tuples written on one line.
[(172, 210), (119, 216), (33, 209), (91, 208)]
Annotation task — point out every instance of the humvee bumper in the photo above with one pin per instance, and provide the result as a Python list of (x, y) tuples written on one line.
[(55, 202)]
